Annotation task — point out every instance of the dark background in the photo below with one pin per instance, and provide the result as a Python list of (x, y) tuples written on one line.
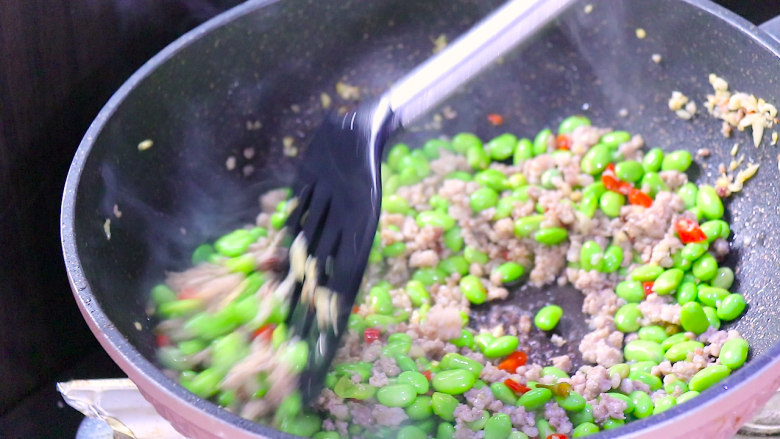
[(60, 60)]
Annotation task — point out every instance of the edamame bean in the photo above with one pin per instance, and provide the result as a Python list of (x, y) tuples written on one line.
[(473, 290), (651, 380), (688, 193), (444, 405), (642, 366), (675, 386), (502, 147), (582, 416), (629, 170), (234, 243), (417, 293), (707, 377), (611, 202), (452, 361), (678, 160), (445, 430), (396, 395), (523, 151), (621, 369), (542, 141), (548, 317), (664, 403), (163, 294), (680, 351), (643, 405), (712, 316), (652, 183), (394, 250), (453, 239), (411, 432), (571, 123), (596, 159), (693, 319), (435, 218), (544, 427), (643, 350), (548, 178), (395, 204), (711, 296), (503, 393), (551, 235), (652, 333), (431, 147), (429, 276), (453, 382), (687, 396), (734, 352), (525, 226), (396, 153), (498, 426), (477, 157), (629, 403), (475, 256), (724, 278), (708, 201), (455, 264), (731, 307), (631, 291), (705, 268), (668, 281), (585, 429), (509, 271), (644, 273), (591, 256), (688, 292), (405, 363), (463, 141), (554, 371), (653, 160), (693, 250), (628, 318), (673, 340), (492, 178), (466, 339), (535, 398), (501, 346), (615, 138), (613, 258)]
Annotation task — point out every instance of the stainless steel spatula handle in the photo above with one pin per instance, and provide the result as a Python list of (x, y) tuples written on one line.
[(430, 83)]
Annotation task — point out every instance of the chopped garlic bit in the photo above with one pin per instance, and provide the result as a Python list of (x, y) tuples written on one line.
[(288, 143), (774, 138), (640, 33), (117, 212), (230, 163), (325, 100), (683, 107), (588, 8), (734, 150), (739, 110), (703, 152), (253, 125), (439, 43), (656, 58), (138, 326), (107, 228), (347, 92), (145, 144)]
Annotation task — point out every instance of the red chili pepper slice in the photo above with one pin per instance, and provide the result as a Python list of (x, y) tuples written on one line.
[(562, 141), (355, 309), (513, 361), (515, 386), (689, 231), (163, 340), (187, 293), (648, 287), (611, 182), (639, 198), (427, 374), (371, 335), (557, 436), (265, 332), (495, 119)]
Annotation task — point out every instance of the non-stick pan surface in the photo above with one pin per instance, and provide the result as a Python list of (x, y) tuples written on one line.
[(254, 78)]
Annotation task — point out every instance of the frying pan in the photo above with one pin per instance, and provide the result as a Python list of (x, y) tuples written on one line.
[(241, 86)]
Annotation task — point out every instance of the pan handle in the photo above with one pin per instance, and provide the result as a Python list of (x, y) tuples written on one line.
[(772, 27), (766, 423)]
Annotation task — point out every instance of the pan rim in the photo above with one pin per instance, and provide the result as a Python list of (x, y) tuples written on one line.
[(141, 369)]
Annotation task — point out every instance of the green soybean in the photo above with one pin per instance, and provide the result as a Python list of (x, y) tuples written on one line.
[(523, 151), (503, 393), (631, 291), (615, 138), (548, 317), (711, 296), (445, 430), (629, 170), (463, 141), (712, 316), (509, 271), (643, 350), (652, 183), (548, 178), (466, 339), (380, 300), (693, 250), (705, 268), (527, 225), (414, 379), (688, 193), (652, 333), (629, 403), (551, 235), (707, 377), (724, 278), (475, 256), (653, 160), (395, 204), (396, 395), (668, 281), (613, 258), (429, 276), (435, 218), (645, 366), (628, 318), (573, 402), (417, 293), (708, 201), (611, 202), (585, 429), (502, 147), (477, 157), (501, 346), (693, 319), (688, 292), (582, 416), (473, 290), (678, 160), (444, 405), (731, 307), (453, 361), (555, 372), (675, 386), (455, 264), (453, 239), (651, 380), (687, 396), (453, 382), (498, 426), (542, 141), (394, 250), (596, 159), (492, 178), (643, 405), (673, 340), (591, 256), (571, 123), (396, 153), (411, 432), (535, 398), (645, 273), (680, 351), (621, 369), (734, 352), (664, 403), (544, 427)]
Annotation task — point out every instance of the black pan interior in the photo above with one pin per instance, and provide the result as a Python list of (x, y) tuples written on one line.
[(259, 77)]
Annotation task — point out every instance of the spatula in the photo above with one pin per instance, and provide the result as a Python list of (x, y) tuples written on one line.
[(338, 190)]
